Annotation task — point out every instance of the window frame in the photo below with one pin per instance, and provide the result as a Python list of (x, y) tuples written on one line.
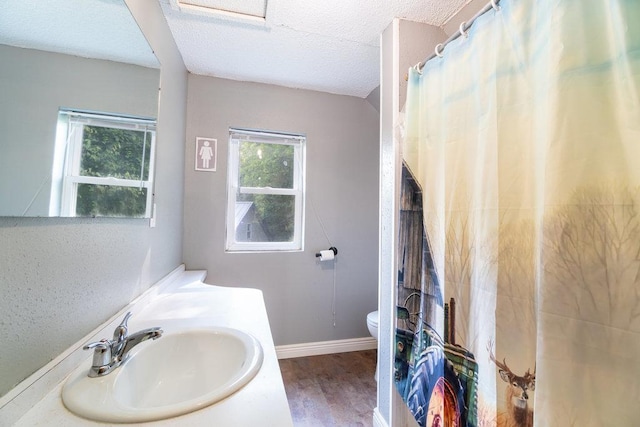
[(298, 141), (74, 123)]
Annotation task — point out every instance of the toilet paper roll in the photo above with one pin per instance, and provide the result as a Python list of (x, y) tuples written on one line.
[(326, 255)]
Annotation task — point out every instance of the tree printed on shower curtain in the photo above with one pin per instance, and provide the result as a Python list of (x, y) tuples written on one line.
[(593, 250)]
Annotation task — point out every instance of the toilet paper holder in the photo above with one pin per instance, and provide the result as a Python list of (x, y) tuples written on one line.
[(332, 249)]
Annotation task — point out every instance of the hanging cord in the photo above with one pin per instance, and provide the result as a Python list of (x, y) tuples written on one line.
[(333, 305), (33, 199), (313, 208), (48, 178), (462, 31), (335, 261)]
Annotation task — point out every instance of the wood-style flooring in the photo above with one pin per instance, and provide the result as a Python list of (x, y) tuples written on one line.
[(334, 390)]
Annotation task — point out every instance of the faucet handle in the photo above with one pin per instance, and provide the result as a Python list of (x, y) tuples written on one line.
[(120, 333), (100, 345), (101, 356)]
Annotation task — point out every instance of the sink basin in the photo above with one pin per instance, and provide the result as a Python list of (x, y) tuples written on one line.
[(179, 373)]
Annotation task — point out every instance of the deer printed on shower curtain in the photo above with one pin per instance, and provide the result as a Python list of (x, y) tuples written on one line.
[(519, 394)]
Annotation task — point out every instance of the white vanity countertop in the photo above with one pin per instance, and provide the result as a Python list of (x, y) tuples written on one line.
[(187, 302)]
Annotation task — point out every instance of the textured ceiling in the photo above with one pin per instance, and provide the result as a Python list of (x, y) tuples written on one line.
[(100, 29), (326, 45)]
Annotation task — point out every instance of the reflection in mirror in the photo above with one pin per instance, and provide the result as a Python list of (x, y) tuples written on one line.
[(63, 56), (103, 165)]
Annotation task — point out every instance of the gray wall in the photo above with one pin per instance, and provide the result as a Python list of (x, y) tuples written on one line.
[(342, 190), (62, 277), (34, 85)]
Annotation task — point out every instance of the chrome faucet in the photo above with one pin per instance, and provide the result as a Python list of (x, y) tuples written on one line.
[(109, 354)]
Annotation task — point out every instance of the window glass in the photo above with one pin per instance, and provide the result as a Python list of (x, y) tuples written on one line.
[(115, 152), (109, 200), (266, 165), (274, 215)]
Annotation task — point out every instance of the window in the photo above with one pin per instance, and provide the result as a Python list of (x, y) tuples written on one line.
[(266, 191), (108, 165)]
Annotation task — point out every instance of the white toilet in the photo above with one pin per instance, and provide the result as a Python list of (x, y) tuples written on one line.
[(372, 324)]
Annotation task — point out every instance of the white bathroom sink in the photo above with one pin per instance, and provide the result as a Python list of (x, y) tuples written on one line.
[(178, 373)]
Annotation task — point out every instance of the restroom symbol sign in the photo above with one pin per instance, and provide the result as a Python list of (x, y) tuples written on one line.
[(206, 154)]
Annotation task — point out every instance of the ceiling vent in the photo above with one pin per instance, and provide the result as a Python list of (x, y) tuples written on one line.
[(253, 10)]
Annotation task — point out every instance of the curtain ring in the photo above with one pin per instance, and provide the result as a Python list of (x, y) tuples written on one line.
[(494, 5), (438, 50), (463, 33), (418, 67)]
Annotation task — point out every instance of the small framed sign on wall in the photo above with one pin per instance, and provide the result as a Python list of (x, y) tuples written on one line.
[(206, 154)]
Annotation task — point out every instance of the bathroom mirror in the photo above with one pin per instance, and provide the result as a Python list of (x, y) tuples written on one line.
[(58, 56)]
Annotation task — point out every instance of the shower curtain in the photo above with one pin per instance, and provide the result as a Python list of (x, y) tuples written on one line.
[(518, 300)]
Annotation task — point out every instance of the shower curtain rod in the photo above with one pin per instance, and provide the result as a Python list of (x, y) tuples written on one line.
[(464, 26)]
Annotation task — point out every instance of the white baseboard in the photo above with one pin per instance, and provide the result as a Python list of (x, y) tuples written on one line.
[(378, 421), (325, 347)]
